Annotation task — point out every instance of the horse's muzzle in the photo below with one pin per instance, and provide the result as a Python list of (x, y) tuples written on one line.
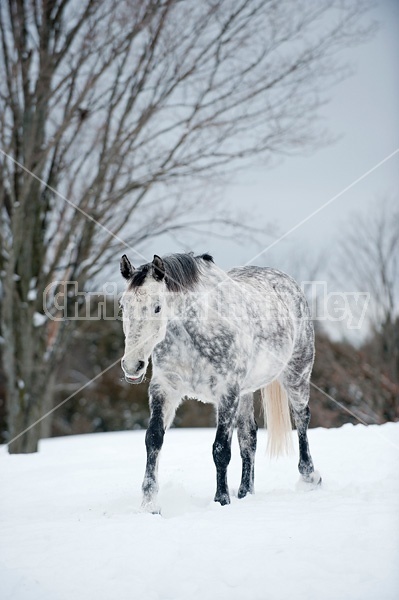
[(135, 380)]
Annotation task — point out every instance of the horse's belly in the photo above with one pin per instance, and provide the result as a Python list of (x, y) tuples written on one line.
[(265, 368)]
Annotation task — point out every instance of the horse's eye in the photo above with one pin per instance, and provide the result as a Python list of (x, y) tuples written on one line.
[(157, 309)]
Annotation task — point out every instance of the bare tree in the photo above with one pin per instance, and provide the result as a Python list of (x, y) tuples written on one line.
[(369, 261), (112, 103)]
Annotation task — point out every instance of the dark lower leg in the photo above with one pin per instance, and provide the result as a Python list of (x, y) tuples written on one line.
[(302, 418), (247, 429), (221, 457), (153, 440), (222, 445)]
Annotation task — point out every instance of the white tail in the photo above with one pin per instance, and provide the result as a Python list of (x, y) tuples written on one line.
[(278, 419)]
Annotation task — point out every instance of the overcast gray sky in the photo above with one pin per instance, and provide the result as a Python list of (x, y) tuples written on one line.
[(364, 112)]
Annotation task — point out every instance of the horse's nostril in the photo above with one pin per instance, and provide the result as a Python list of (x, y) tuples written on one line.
[(140, 365)]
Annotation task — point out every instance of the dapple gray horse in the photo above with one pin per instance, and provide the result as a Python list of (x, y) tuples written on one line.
[(219, 337)]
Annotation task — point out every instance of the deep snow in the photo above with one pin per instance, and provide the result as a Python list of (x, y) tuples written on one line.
[(71, 526)]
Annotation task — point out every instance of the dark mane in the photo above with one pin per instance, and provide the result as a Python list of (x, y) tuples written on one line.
[(182, 271)]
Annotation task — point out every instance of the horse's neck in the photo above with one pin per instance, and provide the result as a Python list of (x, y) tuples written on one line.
[(200, 298), (211, 280)]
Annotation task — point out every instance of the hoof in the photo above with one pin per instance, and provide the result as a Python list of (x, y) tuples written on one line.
[(310, 481), (243, 491), (151, 508), (223, 499)]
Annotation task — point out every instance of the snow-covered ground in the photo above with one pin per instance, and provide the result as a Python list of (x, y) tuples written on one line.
[(71, 527)]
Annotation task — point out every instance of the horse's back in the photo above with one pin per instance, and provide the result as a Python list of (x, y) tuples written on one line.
[(275, 283)]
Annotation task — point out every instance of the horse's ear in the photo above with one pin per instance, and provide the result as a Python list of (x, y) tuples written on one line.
[(126, 268), (158, 268)]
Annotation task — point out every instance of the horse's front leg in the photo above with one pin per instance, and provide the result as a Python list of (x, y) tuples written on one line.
[(227, 411), (162, 413)]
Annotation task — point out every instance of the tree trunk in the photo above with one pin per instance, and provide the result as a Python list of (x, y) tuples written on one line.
[(23, 411), (27, 373), (27, 404)]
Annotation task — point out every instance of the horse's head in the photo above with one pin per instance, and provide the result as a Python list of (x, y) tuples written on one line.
[(144, 315)]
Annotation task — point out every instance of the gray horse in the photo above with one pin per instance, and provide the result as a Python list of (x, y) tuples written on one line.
[(219, 337)]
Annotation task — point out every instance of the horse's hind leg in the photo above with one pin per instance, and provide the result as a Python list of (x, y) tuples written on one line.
[(246, 430), (299, 399)]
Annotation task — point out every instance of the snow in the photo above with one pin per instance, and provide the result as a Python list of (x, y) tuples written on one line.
[(71, 525), (32, 295), (39, 319)]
